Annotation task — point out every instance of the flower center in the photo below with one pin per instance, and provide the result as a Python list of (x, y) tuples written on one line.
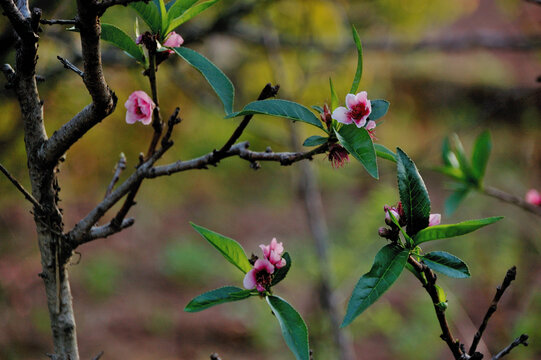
[(263, 278), (358, 111)]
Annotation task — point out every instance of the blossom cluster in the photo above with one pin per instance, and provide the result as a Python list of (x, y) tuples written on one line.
[(260, 276)]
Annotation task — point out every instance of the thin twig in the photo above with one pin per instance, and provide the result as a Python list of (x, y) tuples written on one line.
[(101, 232), (19, 187), (511, 199), (120, 166), (267, 92), (215, 356), (430, 287), (522, 339), (98, 357), (58, 21), (68, 65), (509, 277)]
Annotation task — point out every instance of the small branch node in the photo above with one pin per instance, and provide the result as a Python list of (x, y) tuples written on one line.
[(68, 65)]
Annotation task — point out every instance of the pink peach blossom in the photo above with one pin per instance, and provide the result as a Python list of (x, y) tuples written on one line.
[(434, 219), (260, 276), (140, 107), (357, 111), (533, 197), (273, 252), (173, 40)]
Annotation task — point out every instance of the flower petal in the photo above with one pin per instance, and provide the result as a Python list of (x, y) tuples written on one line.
[(434, 219), (249, 280), (370, 125), (351, 100), (341, 114)]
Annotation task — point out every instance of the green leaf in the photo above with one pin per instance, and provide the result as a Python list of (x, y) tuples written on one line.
[(454, 173), (230, 249), (164, 21), (281, 273), (379, 109), (178, 8), (481, 154), (384, 153), (447, 156), (123, 41), (388, 265), (149, 13), (463, 161), (317, 108), (293, 327), (190, 13), (334, 98), (282, 108), (315, 140), (441, 294), (359, 71), (446, 264), (452, 202), (216, 297), (413, 194), (358, 143), (437, 232), (215, 77)]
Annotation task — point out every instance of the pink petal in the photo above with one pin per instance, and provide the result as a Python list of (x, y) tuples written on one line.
[(173, 40), (249, 280), (263, 264), (434, 219), (266, 250), (360, 122), (533, 197), (341, 114), (278, 247), (370, 125), (274, 258), (351, 100), (281, 264), (361, 97), (260, 288)]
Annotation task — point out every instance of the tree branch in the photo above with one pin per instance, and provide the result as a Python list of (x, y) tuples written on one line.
[(100, 232), (18, 20), (430, 287), (68, 65), (120, 166), (103, 99), (522, 339), (509, 277), (58, 21), (19, 187), (267, 92), (511, 199)]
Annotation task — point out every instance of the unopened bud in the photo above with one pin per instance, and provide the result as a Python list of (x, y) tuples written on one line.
[(384, 232)]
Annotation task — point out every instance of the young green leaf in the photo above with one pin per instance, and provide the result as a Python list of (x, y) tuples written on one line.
[(463, 161), (164, 21), (379, 109), (149, 13), (123, 41), (317, 108), (190, 13), (358, 143), (334, 98), (388, 265), (384, 153), (216, 78), (480, 154), (281, 108), (442, 298), (315, 140), (447, 156), (413, 193), (359, 71), (452, 202), (293, 327), (216, 297), (446, 264), (437, 232), (281, 273), (177, 8), (230, 249)]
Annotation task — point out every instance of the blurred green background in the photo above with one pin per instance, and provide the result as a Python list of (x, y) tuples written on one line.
[(461, 66)]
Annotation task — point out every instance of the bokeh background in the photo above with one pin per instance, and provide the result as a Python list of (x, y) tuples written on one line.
[(446, 67)]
